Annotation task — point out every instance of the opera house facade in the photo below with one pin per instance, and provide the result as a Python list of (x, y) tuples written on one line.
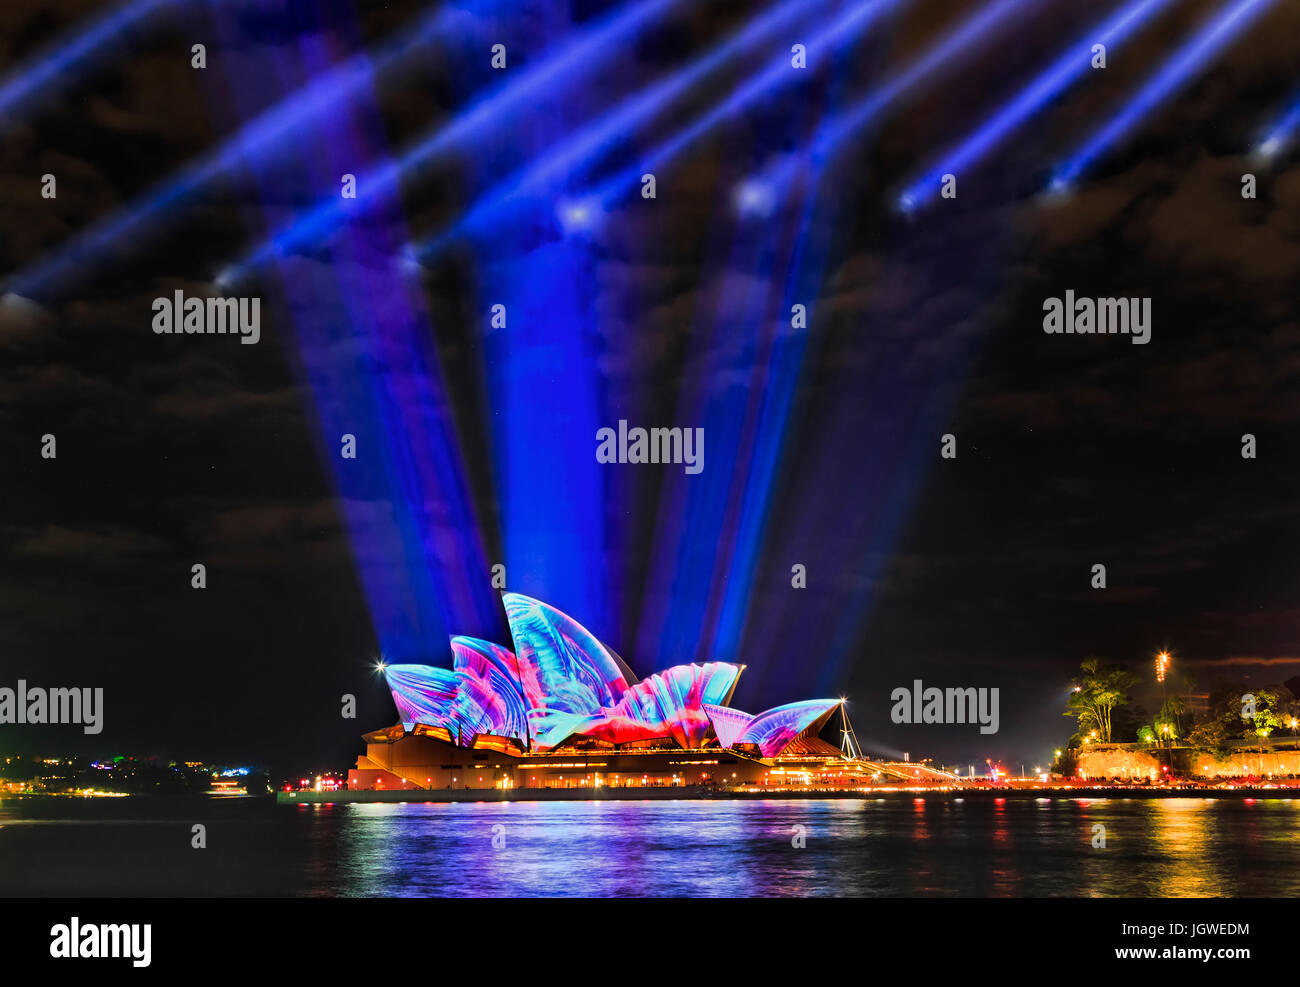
[(562, 710)]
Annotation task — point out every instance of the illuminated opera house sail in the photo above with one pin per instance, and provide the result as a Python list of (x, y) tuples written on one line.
[(563, 700)]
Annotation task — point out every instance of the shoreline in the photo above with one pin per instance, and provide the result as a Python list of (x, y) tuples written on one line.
[(695, 793)]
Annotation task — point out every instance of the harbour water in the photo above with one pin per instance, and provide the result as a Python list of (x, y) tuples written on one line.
[(1049, 847)]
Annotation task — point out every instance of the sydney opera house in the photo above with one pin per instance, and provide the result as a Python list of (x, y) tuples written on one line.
[(562, 710)]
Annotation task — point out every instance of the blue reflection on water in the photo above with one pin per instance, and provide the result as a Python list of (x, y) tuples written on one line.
[(891, 847)]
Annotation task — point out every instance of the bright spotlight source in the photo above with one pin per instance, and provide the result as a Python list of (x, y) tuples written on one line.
[(1269, 148), (577, 215), (753, 197), (1281, 133), (408, 258), (380, 665)]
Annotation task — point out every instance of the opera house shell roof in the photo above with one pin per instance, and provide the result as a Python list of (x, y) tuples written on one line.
[(560, 684)]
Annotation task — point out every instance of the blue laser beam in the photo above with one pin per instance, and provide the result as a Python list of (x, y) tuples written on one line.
[(593, 47), (978, 26), (583, 149), (1280, 135), (1072, 65), (709, 532), (41, 75), (824, 43), (375, 375), (272, 129), (1217, 33), (765, 432)]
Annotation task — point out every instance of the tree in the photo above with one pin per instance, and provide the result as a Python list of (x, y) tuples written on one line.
[(1067, 761), (1210, 734), (1225, 708), (1168, 722), (1097, 692), (1272, 704)]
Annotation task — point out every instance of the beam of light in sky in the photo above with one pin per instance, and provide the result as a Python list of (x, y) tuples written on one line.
[(275, 128), (593, 47), (779, 73), (59, 62), (1072, 65), (554, 498), (754, 431), (976, 28), (569, 159), (788, 349), (738, 629), (1281, 133), (1218, 32), (364, 355), (771, 430), (709, 531)]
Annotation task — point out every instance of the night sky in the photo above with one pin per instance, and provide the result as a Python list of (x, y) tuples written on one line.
[(975, 571)]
